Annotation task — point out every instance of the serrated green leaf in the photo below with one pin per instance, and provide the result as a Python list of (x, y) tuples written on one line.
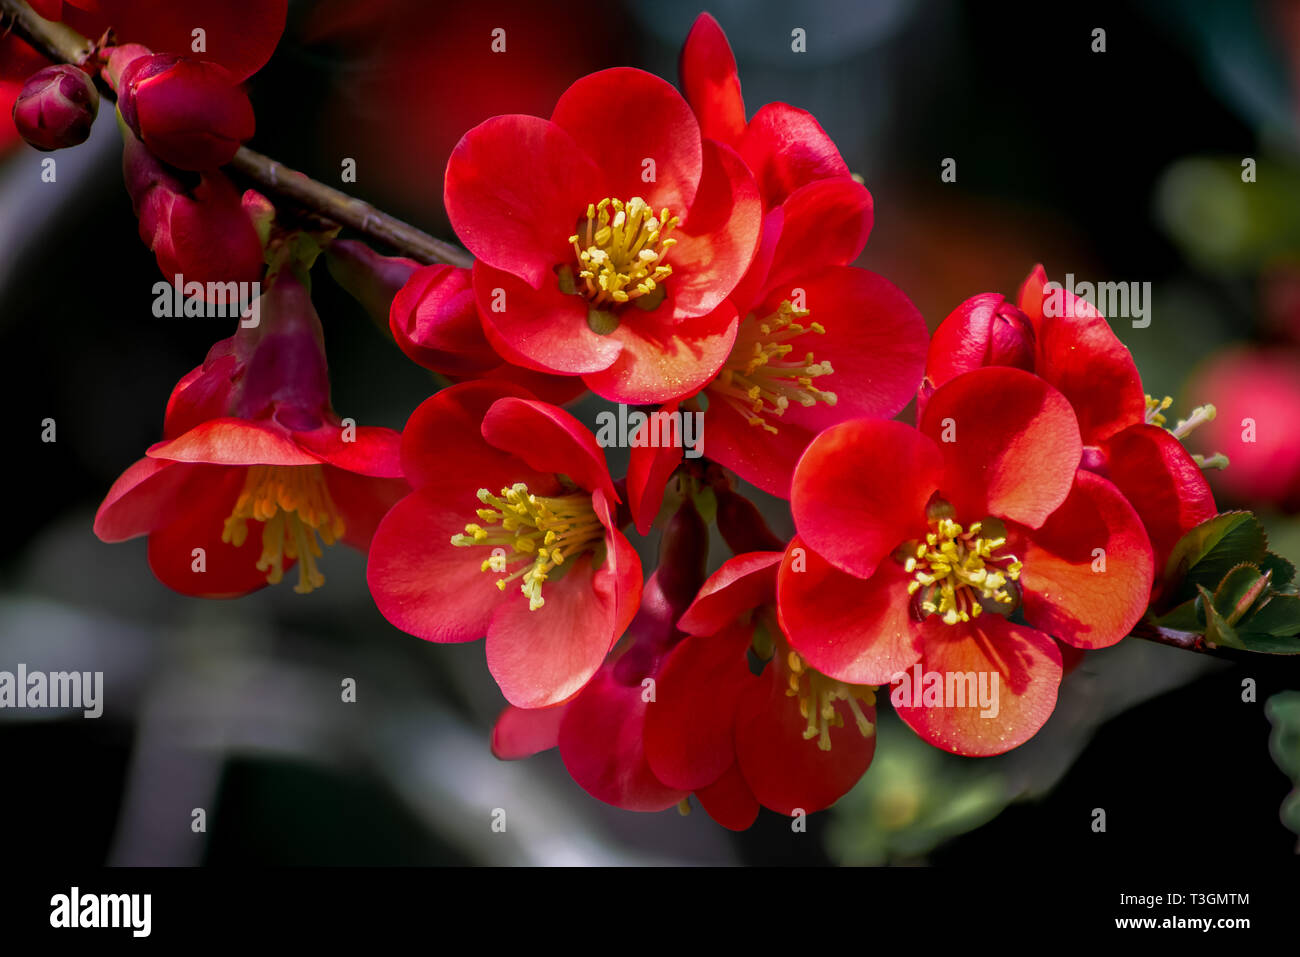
[(1206, 554), (1240, 589), (1268, 644), (1283, 571)]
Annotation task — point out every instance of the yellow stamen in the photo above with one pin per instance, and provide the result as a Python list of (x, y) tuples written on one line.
[(954, 568), (294, 506), (543, 533), (757, 378), (818, 694), (621, 249), (1156, 409)]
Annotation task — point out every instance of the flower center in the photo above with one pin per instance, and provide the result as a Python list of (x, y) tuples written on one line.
[(759, 379), (817, 695), (294, 506), (954, 568), (621, 249), (534, 533)]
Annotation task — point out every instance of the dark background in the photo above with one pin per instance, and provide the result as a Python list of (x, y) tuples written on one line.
[(1064, 157)]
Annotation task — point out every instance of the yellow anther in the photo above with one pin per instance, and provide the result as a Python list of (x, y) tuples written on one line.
[(758, 380), (817, 696), (543, 533), (621, 253), (294, 506), (955, 568)]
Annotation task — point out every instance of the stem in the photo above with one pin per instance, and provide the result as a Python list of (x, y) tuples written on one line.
[(1187, 641), (62, 44)]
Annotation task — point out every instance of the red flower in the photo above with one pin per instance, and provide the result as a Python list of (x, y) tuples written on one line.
[(250, 439), (1257, 395), (784, 146), (914, 546), (788, 738), (489, 453), (608, 238), (1070, 345)]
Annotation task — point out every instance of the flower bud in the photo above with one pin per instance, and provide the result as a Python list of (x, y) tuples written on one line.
[(435, 321), (190, 113), (56, 107)]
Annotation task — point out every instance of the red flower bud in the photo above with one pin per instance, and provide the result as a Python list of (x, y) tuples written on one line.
[(191, 113), (435, 322), (201, 231), (56, 107)]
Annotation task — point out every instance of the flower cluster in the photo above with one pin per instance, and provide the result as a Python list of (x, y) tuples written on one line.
[(655, 249)]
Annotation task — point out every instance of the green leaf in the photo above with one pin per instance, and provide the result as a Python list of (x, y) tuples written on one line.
[(1206, 554), (1279, 616), (1186, 617), (1283, 571), (1217, 629)]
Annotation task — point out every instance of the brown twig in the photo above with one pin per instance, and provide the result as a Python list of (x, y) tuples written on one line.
[(62, 44)]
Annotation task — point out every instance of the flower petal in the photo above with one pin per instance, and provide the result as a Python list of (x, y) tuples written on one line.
[(753, 453), (362, 502), (729, 800), (718, 237), (1084, 597), (711, 83), (1013, 444), (786, 772), (666, 132), (826, 223), (1161, 481), (425, 585), (146, 496), (523, 732), (544, 328), (233, 441), (861, 489), (549, 440), (787, 148), (515, 188), (663, 360), (648, 470), (690, 725), (742, 583), (1027, 664), (857, 630)]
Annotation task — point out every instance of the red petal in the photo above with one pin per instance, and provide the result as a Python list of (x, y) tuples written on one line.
[(1028, 668), (434, 320), (1080, 355), (1161, 481), (787, 148), (786, 772), (718, 237), (1064, 595), (232, 441), (729, 800), (861, 490), (515, 188), (875, 340), (143, 498), (710, 81), (241, 35), (826, 223), (1015, 445), (425, 585), (549, 440), (372, 449), (665, 131), (649, 468), (742, 583), (452, 421), (689, 727), (362, 502), (601, 743), (664, 360), (544, 327), (753, 453), (523, 732), (857, 630), (229, 571)]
